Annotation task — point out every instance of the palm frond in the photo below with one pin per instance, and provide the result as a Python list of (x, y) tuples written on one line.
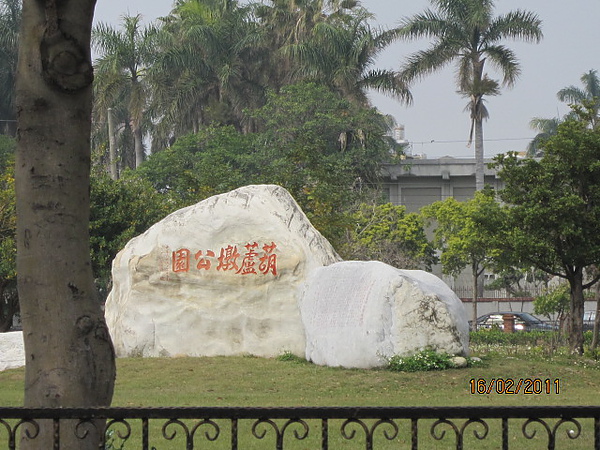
[(523, 25), (426, 62), (505, 61)]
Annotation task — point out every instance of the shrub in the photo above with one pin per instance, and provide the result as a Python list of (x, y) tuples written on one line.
[(425, 360), (289, 356), (496, 336)]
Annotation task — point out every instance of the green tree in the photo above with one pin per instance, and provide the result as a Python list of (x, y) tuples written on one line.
[(340, 53), (552, 211), (8, 249), (554, 301), (466, 31), (69, 354), (210, 162), (10, 21), (389, 234), (120, 83), (119, 211), (210, 66), (588, 95), (286, 23), (461, 238), (545, 129), (324, 149), (513, 279)]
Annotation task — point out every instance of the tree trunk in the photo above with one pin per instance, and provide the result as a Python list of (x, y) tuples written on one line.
[(479, 157), (112, 145), (594, 343), (8, 307), (138, 144), (577, 309), (69, 354), (475, 296)]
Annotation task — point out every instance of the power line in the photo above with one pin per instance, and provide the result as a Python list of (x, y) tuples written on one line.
[(462, 141)]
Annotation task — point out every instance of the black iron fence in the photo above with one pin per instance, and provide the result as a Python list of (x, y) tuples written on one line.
[(315, 427)]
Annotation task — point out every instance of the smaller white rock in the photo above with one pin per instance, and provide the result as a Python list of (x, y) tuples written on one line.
[(357, 314), (13, 351), (459, 361)]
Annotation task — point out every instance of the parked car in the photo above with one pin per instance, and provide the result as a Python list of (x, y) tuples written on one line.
[(523, 321)]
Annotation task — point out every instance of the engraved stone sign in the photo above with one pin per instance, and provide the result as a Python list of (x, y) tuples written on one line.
[(217, 278)]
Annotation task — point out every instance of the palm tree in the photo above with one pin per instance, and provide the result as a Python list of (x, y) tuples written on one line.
[(291, 22), (588, 96), (10, 21), (207, 69), (120, 71), (465, 32), (545, 129), (340, 53)]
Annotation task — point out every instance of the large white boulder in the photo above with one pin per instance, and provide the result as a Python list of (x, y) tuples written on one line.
[(217, 278), (357, 314), (12, 352)]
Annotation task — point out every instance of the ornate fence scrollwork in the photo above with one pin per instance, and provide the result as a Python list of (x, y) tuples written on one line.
[(369, 432), (113, 428), (29, 427), (300, 435), (551, 432), (459, 433), (292, 428), (190, 433)]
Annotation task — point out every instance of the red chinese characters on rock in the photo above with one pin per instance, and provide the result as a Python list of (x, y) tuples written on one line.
[(203, 262), (181, 260), (268, 262), (255, 260)]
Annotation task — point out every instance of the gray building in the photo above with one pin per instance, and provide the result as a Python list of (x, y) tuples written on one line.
[(415, 183)]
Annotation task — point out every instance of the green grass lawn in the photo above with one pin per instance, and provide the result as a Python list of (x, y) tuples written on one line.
[(250, 381)]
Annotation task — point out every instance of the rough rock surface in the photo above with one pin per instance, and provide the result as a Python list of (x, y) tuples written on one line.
[(217, 278), (357, 314), (12, 352)]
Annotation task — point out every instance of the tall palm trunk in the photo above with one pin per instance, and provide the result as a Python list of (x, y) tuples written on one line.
[(69, 354), (477, 114), (138, 143), (479, 158), (112, 145)]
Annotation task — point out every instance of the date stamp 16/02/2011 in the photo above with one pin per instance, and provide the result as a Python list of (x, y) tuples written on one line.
[(514, 386)]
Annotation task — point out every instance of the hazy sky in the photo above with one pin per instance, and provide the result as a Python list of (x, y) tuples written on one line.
[(436, 124)]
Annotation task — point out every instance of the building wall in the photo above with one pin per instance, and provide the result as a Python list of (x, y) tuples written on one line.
[(415, 183)]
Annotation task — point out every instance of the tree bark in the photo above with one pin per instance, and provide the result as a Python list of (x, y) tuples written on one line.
[(69, 354), (475, 296), (112, 145), (8, 307), (479, 155), (138, 144), (594, 343), (577, 309)]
